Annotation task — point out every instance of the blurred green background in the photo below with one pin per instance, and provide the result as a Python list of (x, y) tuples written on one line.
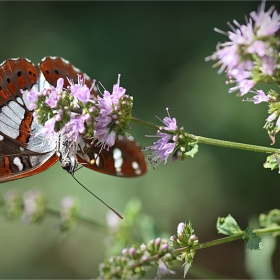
[(159, 48)]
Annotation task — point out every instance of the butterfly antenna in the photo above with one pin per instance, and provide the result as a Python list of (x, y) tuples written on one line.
[(118, 214)]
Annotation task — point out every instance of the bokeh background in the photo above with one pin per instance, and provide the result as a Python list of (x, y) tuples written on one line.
[(159, 48)]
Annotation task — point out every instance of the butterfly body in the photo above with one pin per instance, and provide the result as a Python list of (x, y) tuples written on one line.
[(25, 152)]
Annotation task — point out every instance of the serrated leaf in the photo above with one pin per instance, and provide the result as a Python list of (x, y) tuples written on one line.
[(252, 240), (258, 264), (228, 226)]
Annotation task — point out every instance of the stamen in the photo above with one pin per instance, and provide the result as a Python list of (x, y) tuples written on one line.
[(220, 31), (167, 110), (231, 26), (119, 78)]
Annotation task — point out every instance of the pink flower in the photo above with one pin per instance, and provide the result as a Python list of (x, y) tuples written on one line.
[(74, 129), (242, 36), (260, 97), (48, 129), (180, 229), (80, 90), (228, 56), (32, 96), (250, 54), (164, 147), (266, 24), (268, 65), (257, 47), (52, 98), (108, 105)]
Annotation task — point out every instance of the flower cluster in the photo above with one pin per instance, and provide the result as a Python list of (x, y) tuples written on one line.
[(31, 206), (75, 112), (185, 238), (172, 141), (135, 262), (34, 207), (251, 55), (13, 204), (272, 124), (68, 214)]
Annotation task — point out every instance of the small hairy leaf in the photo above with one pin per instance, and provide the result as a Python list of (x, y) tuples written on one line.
[(252, 240), (228, 226)]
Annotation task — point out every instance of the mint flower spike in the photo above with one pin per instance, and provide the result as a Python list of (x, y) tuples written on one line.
[(68, 213), (76, 114), (34, 206), (165, 146), (69, 111), (114, 116), (251, 55)]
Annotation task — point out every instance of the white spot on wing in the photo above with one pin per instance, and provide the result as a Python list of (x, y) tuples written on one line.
[(131, 138), (118, 160), (1, 137), (135, 165), (97, 159), (18, 163)]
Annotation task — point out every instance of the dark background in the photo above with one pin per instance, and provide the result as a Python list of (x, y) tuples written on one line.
[(159, 48)]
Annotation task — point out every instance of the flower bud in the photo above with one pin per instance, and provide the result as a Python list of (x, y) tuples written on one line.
[(132, 251), (173, 238), (158, 241), (164, 247), (180, 229), (143, 247)]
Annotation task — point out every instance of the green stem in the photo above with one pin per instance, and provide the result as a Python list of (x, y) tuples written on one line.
[(234, 145), (211, 141), (80, 219), (227, 239), (144, 123)]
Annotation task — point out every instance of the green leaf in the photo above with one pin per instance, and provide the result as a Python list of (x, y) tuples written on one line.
[(228, 226), (186, 268), (272, 162), (272, 219), (258, 264), (193, 151), (252, 240)]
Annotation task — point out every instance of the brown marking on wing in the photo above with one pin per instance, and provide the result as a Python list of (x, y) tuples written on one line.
[(16, 74), (5, 170), (6, 177), (54, 68), (25, 128), (131, 152)]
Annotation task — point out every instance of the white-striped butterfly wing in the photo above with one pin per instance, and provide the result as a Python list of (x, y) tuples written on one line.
[(21, 154)]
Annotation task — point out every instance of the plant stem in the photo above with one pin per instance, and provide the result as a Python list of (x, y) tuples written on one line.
[(211, 141), (235, 145), (144, 123), (81, 219), (227, 239)]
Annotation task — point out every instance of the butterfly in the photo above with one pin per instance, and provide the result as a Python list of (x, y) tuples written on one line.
[(22, 149)]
